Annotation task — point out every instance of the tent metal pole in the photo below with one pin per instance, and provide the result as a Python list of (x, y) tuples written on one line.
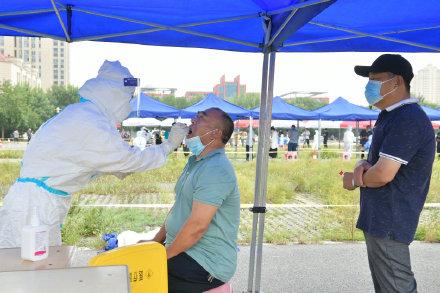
[(165, 27), (29, 32), (61, 21), (297, 6), (359, 33), (257, 179), (27, 12), (328, 40), (263, 155)]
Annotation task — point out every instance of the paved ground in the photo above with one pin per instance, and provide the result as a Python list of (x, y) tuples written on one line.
[(329, 268)]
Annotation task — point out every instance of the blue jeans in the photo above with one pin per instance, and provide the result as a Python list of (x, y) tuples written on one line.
[(292, 147)]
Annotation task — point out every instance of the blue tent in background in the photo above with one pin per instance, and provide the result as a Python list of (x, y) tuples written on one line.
[(432, 113), (146, 107), (211, 100), (281, 110), (342, 110)]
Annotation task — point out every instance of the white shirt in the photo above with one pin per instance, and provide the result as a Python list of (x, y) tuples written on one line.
[(274, 140), (401, 103)]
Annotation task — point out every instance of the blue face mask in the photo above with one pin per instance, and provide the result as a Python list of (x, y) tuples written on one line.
[(372, 91), (195, 144)]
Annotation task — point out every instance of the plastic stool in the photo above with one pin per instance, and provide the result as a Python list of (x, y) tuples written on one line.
[(346, 156), (291, 155), (225, 288)]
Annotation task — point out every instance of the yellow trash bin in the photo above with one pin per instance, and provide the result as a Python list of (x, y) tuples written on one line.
[(147, 265)]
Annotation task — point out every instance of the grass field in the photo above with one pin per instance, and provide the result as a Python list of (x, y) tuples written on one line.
[(317, 180)]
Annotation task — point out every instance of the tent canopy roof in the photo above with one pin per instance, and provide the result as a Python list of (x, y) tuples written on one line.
[(433, 114), (212, 101), (342, 110), (236, 25), (147, 107), (281, 110)]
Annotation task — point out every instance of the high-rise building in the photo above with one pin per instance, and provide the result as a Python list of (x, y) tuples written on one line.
[(16, 71), (229, 89), (426, 83), (49, 57)]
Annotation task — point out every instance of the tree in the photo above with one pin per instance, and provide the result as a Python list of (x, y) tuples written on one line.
[(248, 100), (61, 96), (23, 107), (178, 102), (306, 103)]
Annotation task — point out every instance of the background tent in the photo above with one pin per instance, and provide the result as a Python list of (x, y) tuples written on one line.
[(281, 110), (147, 107), (211, 100), (342, 110), (433, 114), (239, 25)]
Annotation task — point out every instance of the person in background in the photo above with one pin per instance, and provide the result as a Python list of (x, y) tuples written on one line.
[(158, 138), (438, 143), (306, 135), (364, 135), (250, 144), (16, 135), (394, 180), (273, 151), (325, 135), (281, 140), (293, 135), (29, 134)]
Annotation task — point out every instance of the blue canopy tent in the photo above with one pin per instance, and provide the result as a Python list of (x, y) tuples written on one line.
[(342, 110), (265, 26), (281, 110), (146, 107), (432, 113), (211, 100)]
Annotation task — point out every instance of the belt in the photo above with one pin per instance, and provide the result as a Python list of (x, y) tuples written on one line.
[(40, 183)]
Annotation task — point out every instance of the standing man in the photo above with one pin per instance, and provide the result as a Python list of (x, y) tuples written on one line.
[(437, 139), (325, 135), (306, 135), (293, 135), (29, 134), (273, 151), (395, 178), (250, 144), (200, 233)]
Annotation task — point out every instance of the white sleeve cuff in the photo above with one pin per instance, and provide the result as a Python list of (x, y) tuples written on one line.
[(396, 159)]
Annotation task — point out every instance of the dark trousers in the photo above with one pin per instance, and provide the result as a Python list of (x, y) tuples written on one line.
[(273, 153), (292, 147), (185, 275), (248, 153), (390, 265)]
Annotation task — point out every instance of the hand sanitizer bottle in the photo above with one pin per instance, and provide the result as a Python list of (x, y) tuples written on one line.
[(34, 239)]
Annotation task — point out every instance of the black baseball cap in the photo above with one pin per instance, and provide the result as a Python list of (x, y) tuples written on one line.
[(393, 63)]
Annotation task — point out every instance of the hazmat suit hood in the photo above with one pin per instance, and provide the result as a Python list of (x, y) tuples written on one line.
[(108, 92)]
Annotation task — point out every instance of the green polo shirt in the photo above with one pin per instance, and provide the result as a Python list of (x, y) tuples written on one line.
[(210, 180)]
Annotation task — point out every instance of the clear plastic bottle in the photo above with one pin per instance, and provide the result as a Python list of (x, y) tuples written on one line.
[(34, 239)]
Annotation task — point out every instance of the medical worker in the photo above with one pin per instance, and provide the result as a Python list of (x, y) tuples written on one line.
[(349, 138), (76, 146)]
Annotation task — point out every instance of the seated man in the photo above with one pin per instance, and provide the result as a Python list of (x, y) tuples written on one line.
[(201, 230)]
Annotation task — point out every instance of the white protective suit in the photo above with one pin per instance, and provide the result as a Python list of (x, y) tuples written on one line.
[(140, 140), (74, 147), (349, 138)]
